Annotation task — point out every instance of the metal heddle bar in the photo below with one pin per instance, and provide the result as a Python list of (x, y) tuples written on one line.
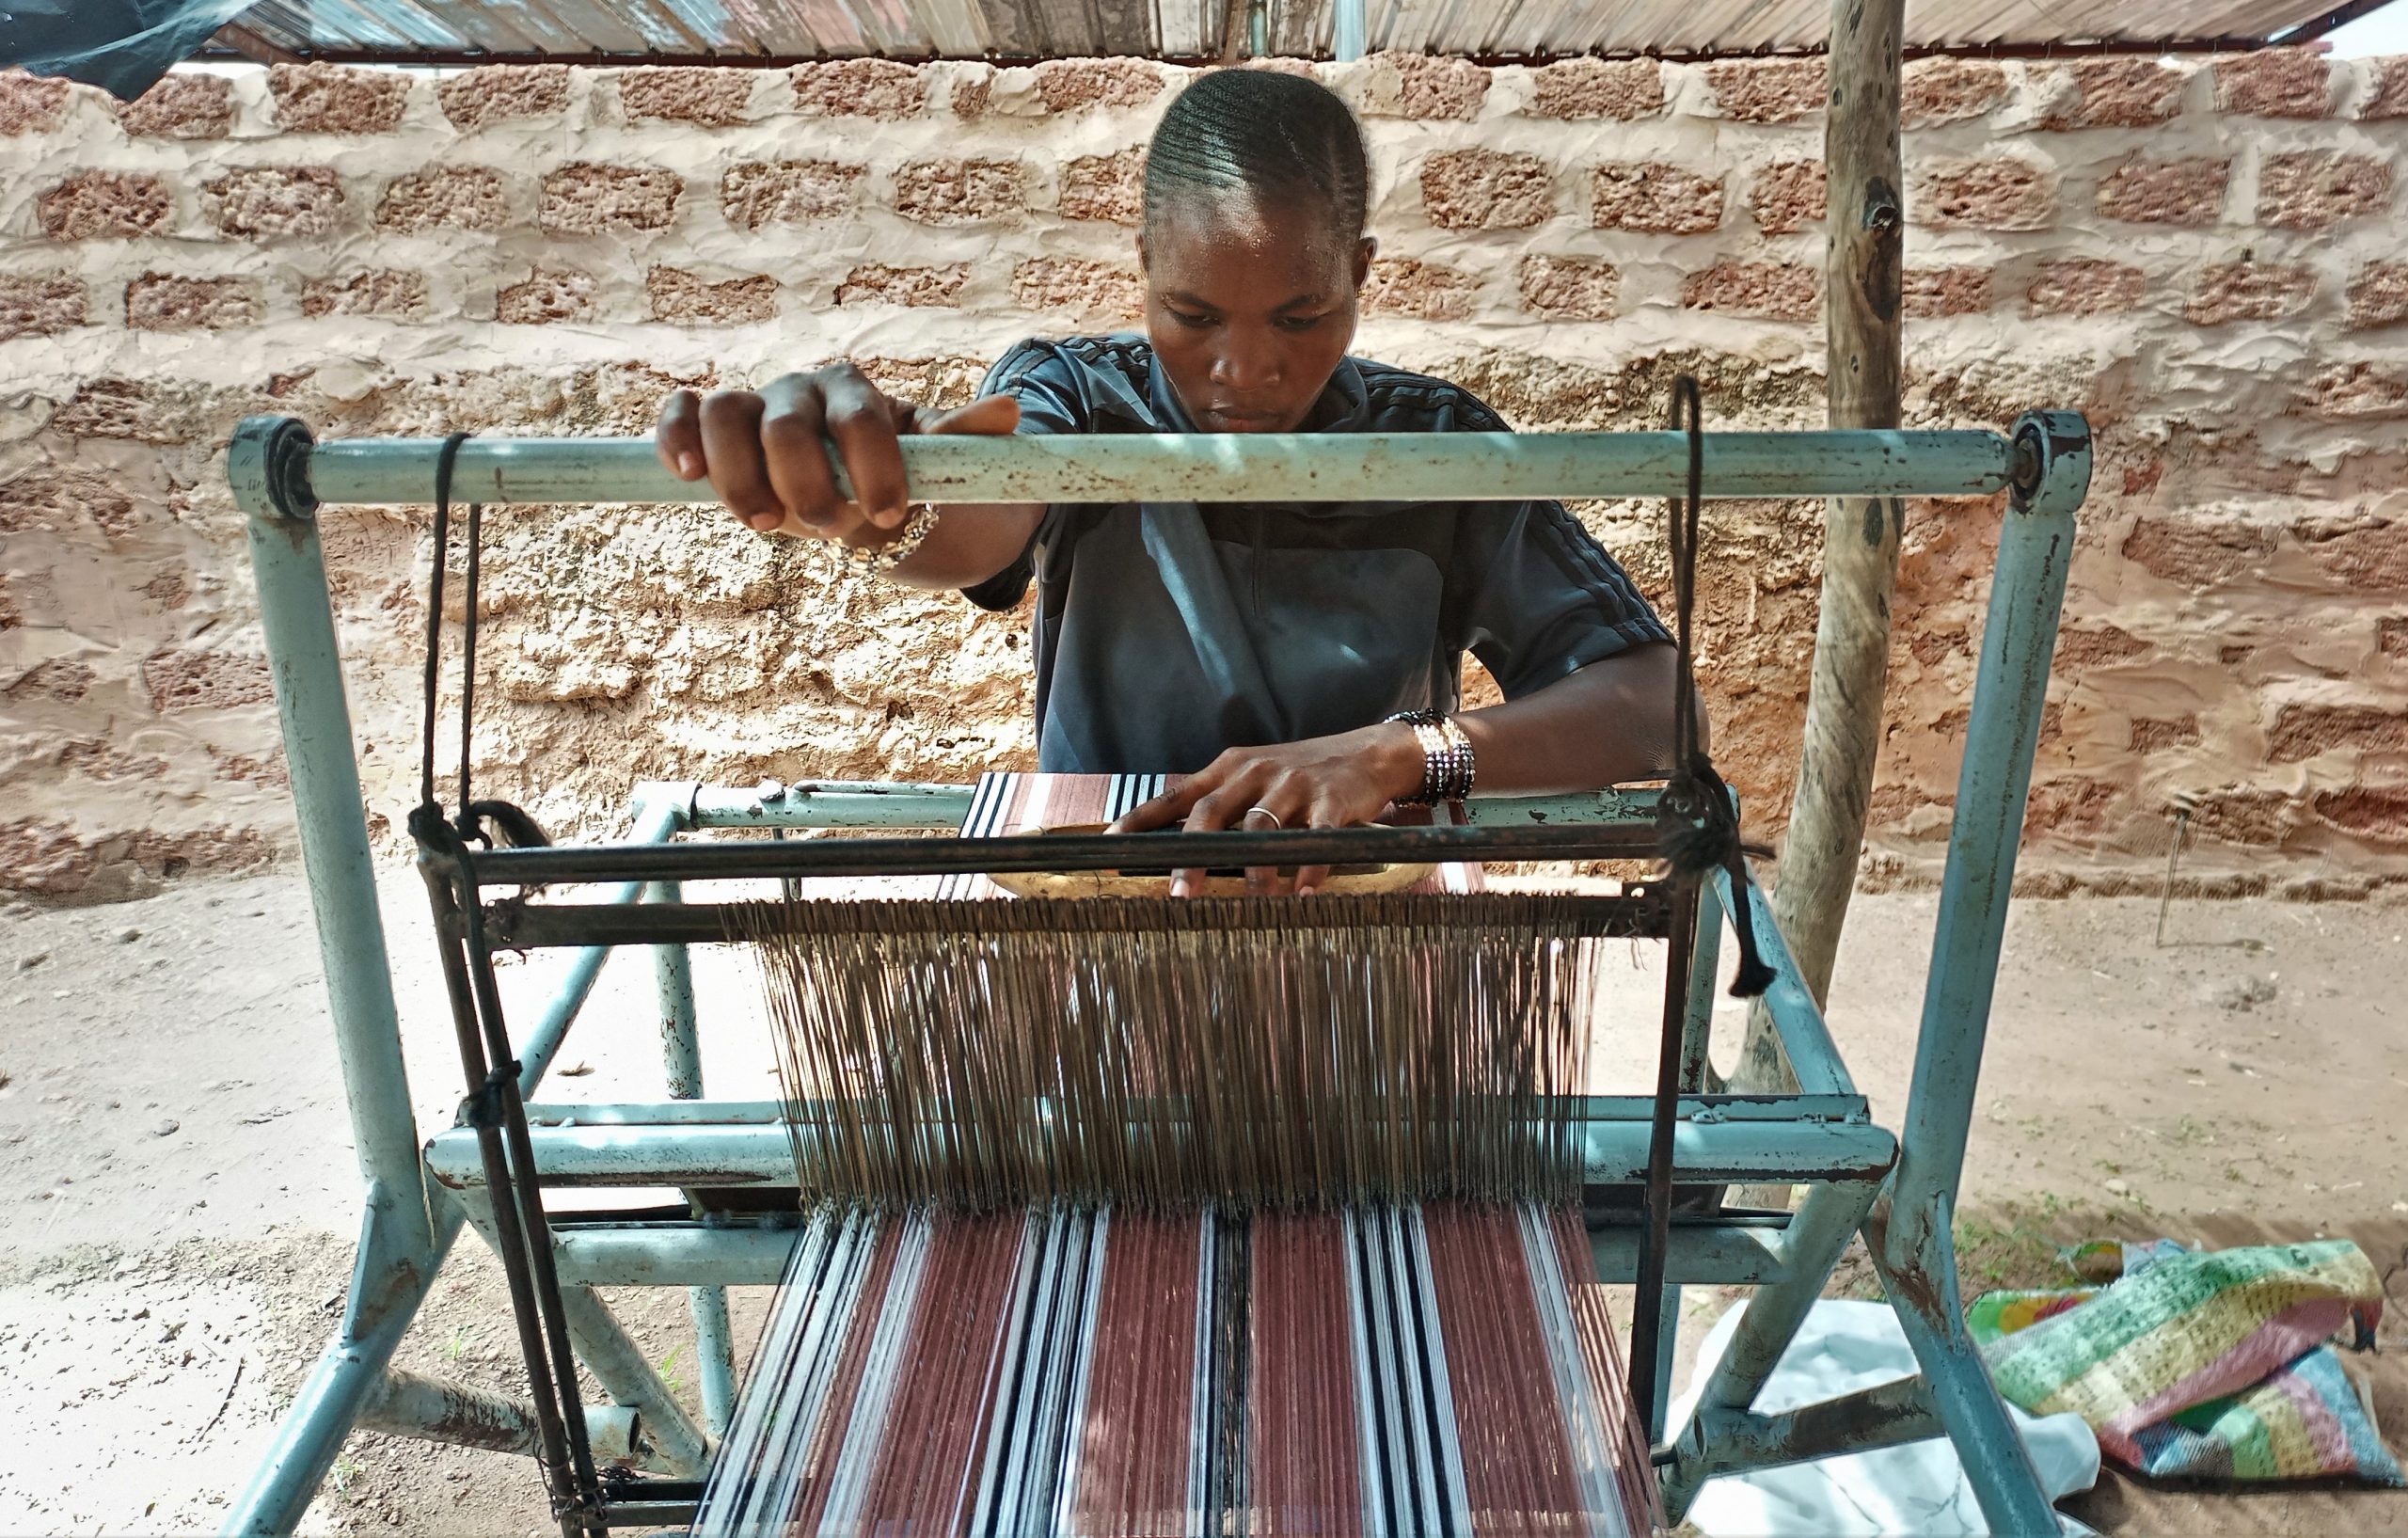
[(1056, 851), (536, 927)]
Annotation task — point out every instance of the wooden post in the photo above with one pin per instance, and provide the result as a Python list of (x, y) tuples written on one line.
[(1234, 30), (1866, 235)]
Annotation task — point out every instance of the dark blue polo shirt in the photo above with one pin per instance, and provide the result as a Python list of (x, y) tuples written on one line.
[(1168, 631)]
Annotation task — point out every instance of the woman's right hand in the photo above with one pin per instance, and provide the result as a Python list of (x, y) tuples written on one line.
[(766, 454)]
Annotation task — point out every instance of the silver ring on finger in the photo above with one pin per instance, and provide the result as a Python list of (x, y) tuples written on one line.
[(1253, 812)]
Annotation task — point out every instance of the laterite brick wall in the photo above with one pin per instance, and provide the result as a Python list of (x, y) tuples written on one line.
[(2204, 256)]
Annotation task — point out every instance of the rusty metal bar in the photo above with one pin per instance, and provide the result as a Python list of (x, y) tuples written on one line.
[(1224, 467), (432, 1410)]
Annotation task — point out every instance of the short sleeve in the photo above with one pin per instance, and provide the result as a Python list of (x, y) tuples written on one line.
[(1544, 599), (1046, 385)]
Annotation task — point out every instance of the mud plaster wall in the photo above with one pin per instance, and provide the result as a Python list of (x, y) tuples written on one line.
[(2204, 257)]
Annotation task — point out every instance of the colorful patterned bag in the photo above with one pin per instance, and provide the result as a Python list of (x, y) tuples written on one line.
[(2201, 1365)]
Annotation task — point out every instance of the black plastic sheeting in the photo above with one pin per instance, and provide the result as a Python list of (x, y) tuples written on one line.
[(122, 46)]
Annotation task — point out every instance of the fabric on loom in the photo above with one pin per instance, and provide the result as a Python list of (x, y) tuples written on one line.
[(1400, 1371), (1116, 1224), (2205, 1365)]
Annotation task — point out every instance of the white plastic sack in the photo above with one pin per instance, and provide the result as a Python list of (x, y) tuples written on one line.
[(1919, 1488)]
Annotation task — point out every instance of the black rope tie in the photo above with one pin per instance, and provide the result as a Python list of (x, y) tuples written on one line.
[(427, 822), (1697, 825), (486, 1107)]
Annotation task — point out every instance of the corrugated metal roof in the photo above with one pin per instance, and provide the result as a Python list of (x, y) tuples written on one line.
[(738, 31)]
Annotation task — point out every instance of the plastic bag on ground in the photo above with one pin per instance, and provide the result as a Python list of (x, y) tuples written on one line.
[(1919, 1488)]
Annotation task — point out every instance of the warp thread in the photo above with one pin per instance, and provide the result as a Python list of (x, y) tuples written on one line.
[(1248, 1053)]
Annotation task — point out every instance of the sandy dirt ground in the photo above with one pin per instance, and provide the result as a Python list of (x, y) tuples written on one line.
[(181, 1198)]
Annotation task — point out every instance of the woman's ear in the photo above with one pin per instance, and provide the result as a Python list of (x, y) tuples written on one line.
[(1363, 255)]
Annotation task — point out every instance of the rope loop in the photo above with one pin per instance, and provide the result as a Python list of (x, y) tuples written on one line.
[(427, 824), (1696, 822)]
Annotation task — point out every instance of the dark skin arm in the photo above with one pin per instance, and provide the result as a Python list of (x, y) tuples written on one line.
[(769, 456), (1608, 723)]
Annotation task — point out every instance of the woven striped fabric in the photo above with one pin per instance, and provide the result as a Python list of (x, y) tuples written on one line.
[(1394, 1370), (2206, 1365)]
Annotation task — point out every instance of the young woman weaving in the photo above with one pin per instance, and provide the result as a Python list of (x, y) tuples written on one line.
[(1300, 664)]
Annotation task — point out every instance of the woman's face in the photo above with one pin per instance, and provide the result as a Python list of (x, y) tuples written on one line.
[(1250, 308)]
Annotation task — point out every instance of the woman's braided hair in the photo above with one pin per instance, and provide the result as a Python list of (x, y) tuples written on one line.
[(1268, 134)]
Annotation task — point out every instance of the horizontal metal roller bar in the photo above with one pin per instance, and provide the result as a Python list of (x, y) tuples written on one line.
[(1700, 1255), (510, 926), (1224, 468), (857, 857), (851, 803), (1721, 1440), (667, 1113), (1636, 1108), (697, 1254), (874, 803), (635, 1513), (464, 1414), (1613, 1153)]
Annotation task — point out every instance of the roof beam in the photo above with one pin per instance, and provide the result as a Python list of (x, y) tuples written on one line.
[(2340, 16), (250, 45)]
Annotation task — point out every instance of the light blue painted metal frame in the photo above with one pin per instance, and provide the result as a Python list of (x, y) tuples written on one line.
[(417, 1199)]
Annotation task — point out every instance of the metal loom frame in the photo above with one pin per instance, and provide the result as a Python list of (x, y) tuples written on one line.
[(1899, 1189)]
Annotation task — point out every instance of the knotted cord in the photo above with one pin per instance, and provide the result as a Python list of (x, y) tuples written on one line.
[(445, 458), (515, 827), (1697, 823)]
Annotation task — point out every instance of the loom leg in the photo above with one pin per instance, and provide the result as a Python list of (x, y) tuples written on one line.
[(715, 1356), (1909, 1233), (672, 969), (399, 1250), (387, 1284), (1917, 1262), (1817, 1236), (2010, 698), (681, 1054)]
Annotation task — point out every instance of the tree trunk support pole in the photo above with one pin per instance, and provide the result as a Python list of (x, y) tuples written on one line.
[(1842, 738)]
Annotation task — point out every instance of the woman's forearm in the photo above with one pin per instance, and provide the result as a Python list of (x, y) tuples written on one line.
[(1608, 723)]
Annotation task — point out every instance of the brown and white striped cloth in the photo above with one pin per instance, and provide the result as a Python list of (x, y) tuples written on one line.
[(1392, 1370)]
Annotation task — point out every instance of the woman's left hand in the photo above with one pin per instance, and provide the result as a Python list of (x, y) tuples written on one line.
[(1323, 782)]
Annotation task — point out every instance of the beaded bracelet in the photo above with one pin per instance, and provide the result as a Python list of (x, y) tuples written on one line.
[(1447, 770), (878, 560)]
